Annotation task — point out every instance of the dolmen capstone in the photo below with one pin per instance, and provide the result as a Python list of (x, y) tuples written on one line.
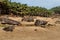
[(40, 23), (9, 21), (9, 28)]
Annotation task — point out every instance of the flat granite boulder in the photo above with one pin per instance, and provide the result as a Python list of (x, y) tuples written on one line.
[(9, 21), (40, 23)]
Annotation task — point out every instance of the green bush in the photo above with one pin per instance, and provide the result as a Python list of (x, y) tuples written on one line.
[(23, 9)]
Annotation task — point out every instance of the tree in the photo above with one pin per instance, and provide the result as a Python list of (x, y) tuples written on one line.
[(24, 9), (56, 9)]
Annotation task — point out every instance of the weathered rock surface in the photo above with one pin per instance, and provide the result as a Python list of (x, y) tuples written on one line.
[(40, 22), (9, 28), (28, 19), (9, 21)]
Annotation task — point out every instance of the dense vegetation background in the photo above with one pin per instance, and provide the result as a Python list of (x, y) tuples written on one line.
[(23, 9)]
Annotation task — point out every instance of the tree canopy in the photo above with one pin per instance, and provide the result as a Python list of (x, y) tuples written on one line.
[(23, 9), (56, 9)]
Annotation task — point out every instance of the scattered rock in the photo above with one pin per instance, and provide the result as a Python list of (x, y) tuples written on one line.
[(50, 25), (35, 29), (9, 28), (28, 19), (57, 22), (43, 26)]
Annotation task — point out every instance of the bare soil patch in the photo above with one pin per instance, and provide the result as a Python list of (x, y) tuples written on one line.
[(29, 33)]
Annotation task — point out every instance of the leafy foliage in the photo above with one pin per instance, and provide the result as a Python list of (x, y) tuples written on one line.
[(56, 9), (24, 9)]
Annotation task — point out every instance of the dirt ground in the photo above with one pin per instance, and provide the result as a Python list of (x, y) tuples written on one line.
[(29, 33)]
